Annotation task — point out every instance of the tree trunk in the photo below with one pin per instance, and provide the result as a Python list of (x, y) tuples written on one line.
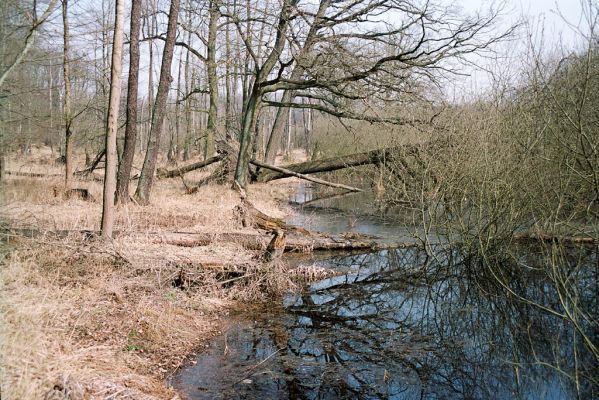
[(146, 178), (112, 125), (253, 101), (212, 79), (247, 137), (122, 191), (306, 177), (278, 127), (333, 164), (171, 173), (68, 134)]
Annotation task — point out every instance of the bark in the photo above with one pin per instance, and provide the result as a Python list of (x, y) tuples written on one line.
[(68, 134), (122, 191), (306, 177), (250, 216), (146, 178), (212, 79), (253, 102), (333, 164), (188, 138), (171, 173), (112, 125), (228, 93), (294, 242)]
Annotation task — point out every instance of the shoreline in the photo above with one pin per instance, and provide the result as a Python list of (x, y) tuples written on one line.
[(89, 319)]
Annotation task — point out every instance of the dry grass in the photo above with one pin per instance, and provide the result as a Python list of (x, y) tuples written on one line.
[(99, 319), (77, 311)]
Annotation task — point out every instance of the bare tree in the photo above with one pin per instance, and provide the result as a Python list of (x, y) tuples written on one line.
[(283, 112), (122, 191), (358, 56), (142, 193), (212, 78), (32, 33), (68, 118), (112, 125)]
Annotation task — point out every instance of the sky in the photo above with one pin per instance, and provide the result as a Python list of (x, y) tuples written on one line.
[(551, 22)]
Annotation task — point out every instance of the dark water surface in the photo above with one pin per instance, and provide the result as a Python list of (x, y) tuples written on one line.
[(400, 324)]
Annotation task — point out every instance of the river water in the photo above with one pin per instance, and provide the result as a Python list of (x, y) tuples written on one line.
[(399, 324)]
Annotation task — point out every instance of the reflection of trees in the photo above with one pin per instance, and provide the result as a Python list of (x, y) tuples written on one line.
[(401, 325)]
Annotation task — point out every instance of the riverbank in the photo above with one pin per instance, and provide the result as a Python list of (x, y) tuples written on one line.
[(95, 319)]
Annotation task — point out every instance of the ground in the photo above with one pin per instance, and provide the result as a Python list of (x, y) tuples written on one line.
[(86, 318)]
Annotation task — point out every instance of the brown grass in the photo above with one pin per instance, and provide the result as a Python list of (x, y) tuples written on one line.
[(98, 319)]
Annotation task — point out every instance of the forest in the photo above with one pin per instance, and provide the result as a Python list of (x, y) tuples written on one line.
[(206, 199)]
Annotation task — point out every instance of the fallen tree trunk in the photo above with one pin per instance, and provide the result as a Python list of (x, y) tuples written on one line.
[(541, 237), (333, 164), (250, 216), (228, 151), (31, 174), (305, 177), (94, 164), (293, 243), (172, 173)]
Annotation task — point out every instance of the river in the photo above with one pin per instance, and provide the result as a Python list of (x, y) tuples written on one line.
[(399, 324)]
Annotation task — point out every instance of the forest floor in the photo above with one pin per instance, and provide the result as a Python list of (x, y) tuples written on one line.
[(108, 319)]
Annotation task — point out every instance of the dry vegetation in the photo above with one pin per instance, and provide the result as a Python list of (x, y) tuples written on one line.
[(111, 320)]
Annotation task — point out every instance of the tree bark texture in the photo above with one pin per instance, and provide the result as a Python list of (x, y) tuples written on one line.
[(68, 134), (122, 190), (212, 79), (146, 178), (112, 125), (253, 101)]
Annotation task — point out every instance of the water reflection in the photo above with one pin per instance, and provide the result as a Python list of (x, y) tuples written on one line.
[(400, 324)]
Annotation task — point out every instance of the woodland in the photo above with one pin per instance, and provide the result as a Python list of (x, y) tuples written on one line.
[(149, 148)]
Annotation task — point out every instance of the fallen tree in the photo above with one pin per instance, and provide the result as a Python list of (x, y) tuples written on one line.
[(93, 165), (172, 173), (294, 242), (30, 174), (305, 177), (336, 163)]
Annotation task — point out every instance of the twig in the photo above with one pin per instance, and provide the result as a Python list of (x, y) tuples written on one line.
[(250, 371)]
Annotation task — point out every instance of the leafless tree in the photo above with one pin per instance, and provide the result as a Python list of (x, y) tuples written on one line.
[(112, 125), (358, 51), (142, 193), (122, 191)]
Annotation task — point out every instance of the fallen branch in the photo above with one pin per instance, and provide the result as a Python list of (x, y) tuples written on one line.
[(527, 236), (250, 216), (30, 174), (294, 242), (94, 164), (172, 173), (333, 164), (305, 177)]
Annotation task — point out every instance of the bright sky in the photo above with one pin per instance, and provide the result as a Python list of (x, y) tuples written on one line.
[(552, 21)]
